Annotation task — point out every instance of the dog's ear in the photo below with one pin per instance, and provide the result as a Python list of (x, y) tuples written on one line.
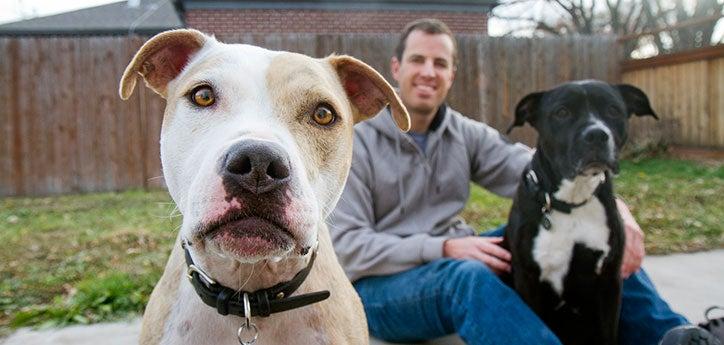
[(161, 59), (368, 91), (636, 100), (526, 110)]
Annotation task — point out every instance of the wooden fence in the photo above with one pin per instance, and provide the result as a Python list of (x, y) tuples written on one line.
[(64, 129), (686, 90)]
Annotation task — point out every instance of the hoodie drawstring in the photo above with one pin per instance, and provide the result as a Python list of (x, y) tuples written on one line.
[(400, 192)]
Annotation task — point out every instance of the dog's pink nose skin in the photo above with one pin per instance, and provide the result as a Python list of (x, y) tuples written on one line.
[(256, 166)]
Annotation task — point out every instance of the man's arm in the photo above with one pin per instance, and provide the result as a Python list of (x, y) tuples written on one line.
[(496, 163), (635, 250), (361, 248)]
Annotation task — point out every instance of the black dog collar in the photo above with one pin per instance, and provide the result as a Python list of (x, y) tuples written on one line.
[(534, 187), (263, 302)]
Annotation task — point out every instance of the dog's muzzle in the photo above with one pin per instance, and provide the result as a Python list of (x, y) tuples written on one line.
[(595, 152)]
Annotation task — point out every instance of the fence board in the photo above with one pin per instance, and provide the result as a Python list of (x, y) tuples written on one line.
[(30, 118), (86, 132), (8, 123), (716, 105)]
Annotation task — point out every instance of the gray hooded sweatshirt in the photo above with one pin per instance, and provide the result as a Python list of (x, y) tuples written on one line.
[(401, 203)]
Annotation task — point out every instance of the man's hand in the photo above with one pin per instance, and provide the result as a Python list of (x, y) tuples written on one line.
[(484, 249), (634, 251)]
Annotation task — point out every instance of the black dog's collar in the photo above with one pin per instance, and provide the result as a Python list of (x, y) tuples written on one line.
[(543, 197), (263, 302)]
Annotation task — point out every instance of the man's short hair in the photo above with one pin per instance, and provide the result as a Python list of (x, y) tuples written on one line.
[(430, 26)]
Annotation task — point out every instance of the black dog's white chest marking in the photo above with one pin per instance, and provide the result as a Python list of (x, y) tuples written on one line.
[(587, 225)]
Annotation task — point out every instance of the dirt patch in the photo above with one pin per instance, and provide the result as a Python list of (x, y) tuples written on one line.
[(707, 156)]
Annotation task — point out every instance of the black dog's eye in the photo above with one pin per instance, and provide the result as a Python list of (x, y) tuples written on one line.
[(614, 111), (562, 113), (202, 95), (324, 115)]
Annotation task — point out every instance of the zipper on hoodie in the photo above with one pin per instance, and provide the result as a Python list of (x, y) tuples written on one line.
[(418, 151)]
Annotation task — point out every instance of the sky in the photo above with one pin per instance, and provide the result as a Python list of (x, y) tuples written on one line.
[(14, 10)]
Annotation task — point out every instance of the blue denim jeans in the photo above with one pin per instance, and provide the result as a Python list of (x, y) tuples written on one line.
[(448, 296)]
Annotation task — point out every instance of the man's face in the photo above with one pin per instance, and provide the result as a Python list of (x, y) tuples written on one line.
[(426, 71)]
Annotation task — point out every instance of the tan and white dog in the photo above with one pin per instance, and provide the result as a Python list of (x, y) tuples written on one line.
[(256, 147)]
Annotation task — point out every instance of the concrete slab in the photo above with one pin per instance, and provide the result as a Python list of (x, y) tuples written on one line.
[(689, 282), (117, 333)]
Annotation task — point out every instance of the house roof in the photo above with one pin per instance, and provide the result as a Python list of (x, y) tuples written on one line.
[(149, 17), (345, 5)]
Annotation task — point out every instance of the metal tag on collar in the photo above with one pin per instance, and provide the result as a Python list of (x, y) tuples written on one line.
[(247, 328), (546, 222), (533, 176), (546, 210)]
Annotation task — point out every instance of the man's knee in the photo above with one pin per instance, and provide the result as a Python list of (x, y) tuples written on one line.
[(472, 268)]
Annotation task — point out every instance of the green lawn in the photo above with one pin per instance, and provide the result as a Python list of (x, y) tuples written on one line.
[(96, 257), (81, 258)]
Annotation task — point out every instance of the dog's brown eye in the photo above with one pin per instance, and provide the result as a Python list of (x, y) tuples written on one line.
[(614, 112), (203, 96), (323, 115), (562, 113)]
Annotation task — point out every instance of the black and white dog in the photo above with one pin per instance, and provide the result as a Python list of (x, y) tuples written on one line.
[(564, 232)]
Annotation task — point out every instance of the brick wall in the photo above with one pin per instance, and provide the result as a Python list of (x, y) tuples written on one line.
[(222, 22)]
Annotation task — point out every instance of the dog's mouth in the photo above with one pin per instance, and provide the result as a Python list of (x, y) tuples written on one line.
[(249, 236), (596, 167), (593, 162)]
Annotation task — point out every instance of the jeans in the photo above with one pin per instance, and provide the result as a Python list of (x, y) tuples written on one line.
[(447, 296)]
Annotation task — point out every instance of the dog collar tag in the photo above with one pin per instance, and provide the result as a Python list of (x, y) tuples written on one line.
[(248, 327), (546, 221)]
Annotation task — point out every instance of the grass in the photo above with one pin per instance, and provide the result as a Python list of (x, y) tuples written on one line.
[(678, 204), (81, 258), (90, 258)]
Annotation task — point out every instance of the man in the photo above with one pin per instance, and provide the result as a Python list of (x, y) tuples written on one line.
[(420, 270)]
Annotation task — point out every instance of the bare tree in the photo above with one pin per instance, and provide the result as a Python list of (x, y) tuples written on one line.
[(667, 25)]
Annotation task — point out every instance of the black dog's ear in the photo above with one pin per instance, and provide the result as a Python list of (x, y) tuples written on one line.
[(636, 100), (525, 110)]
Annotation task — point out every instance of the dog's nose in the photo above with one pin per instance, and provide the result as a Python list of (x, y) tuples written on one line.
[(595, 136), (256, 166)]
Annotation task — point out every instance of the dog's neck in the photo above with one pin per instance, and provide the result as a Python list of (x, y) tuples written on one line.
[(548, 177), (220, 329), (575, 191), (254, 276), (580, 189), (211, 327)]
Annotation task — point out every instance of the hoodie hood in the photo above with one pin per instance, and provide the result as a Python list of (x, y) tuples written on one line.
[(385, 124)]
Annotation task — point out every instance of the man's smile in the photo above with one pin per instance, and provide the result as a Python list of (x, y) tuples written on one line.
[(425, 89)]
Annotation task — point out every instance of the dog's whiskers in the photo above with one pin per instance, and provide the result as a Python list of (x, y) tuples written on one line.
[(150, 179), (327, 209), (175, 212)]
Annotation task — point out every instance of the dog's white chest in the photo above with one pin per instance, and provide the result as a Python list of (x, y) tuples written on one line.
[(553, 249)]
